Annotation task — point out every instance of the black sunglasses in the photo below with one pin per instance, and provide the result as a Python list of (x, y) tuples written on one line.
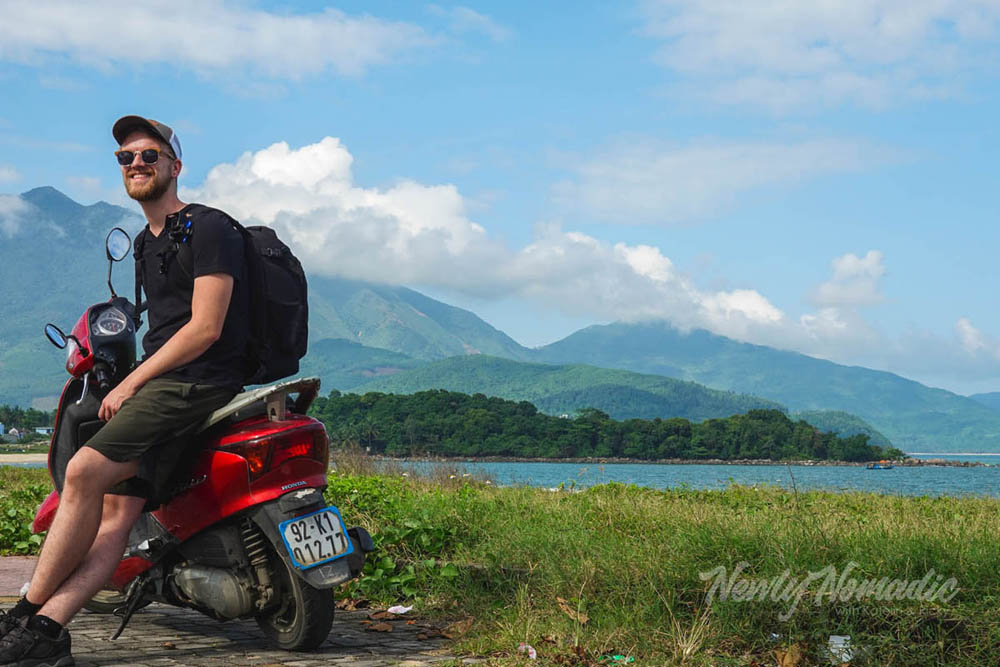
[(149, 156)]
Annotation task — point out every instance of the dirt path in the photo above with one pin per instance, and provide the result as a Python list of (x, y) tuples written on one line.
[(7, 459)]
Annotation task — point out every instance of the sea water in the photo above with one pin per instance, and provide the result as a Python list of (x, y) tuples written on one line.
[(916, 480)]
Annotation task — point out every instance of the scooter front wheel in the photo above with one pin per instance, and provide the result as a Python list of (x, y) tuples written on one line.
[(302, 619), (108, 600)]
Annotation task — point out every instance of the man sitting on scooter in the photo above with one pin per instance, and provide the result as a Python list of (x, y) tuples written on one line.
[(193, 365)]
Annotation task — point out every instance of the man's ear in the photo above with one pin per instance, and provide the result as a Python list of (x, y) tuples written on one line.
[(175, 168)]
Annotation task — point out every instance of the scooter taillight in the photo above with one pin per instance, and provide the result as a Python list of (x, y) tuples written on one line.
[(268, 452)]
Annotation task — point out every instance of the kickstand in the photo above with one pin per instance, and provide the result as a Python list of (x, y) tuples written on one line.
[(133, 597)]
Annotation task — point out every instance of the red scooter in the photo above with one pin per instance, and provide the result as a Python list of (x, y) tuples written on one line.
[(245, 530)]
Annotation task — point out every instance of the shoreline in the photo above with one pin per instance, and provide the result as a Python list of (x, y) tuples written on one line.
[(6, 459), (908, 463)]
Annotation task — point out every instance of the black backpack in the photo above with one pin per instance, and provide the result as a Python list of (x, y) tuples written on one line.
[(279, 308)]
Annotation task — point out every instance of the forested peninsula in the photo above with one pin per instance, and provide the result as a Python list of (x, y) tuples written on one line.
[(451, 424)]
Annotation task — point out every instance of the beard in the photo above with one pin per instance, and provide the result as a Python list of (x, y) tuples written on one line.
[(151, 190)]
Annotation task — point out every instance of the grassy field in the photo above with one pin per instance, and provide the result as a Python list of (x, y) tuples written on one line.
[(615, 570)]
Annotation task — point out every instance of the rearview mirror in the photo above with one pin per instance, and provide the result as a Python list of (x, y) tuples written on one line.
[(118, 244), (56, 336)]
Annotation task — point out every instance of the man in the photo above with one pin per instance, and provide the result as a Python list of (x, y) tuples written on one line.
[(193, 365)]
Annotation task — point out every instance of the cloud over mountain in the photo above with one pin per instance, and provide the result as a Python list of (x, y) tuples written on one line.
[(421, 234), (417, 234), (12, 210)]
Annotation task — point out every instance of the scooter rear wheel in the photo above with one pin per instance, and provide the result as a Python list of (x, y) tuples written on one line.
[(304, 615)]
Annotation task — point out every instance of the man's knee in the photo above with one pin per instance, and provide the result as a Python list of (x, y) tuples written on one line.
[(89, 470)]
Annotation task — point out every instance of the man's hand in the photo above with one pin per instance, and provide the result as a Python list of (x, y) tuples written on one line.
[(112, 403)]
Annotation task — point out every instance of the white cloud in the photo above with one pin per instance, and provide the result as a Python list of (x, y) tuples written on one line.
[(784, 54), (421, 234), (641, 183), (202, 35), (463, 19), (12, 211), (8, 174), (417, 234), (855, 281), (973, 341)]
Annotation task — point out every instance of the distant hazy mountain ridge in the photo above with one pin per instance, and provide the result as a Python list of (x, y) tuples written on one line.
[(914, 417)]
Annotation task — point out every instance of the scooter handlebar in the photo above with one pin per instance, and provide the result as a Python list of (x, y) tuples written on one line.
[(103, 376)]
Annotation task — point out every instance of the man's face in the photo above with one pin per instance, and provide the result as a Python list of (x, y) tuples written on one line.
[(147, 182)]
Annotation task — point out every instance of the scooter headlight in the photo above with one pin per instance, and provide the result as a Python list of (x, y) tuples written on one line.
[(110, 323)]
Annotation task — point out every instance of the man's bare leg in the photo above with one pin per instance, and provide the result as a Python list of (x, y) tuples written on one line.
[(88, 476), (120, 512)]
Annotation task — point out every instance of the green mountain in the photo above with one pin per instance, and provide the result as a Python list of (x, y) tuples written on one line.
[(399, 319), (914, 417), (566, 389)]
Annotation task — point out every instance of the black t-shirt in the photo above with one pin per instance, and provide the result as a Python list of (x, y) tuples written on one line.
[(213, 246)]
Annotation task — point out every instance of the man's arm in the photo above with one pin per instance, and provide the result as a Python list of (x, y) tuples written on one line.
[(209, 304)]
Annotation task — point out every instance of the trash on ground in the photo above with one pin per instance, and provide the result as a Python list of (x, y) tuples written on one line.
[(399, 609), (529, 649), (616, 659), (840, 648)]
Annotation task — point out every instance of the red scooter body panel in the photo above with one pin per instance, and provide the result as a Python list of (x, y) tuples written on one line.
[(45, 513), (221, 483), (221, 487), (76, 363), (289, 476)]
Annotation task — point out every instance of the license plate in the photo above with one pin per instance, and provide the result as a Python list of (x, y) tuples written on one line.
[(316, 538)]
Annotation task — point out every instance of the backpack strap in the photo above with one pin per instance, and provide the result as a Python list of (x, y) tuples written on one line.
[(182, 232), (138, 254)]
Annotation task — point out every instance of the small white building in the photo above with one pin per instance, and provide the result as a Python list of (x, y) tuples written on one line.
[(44, 430)]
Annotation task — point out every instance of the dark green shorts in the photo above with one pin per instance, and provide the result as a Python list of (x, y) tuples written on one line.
[(154, 427)]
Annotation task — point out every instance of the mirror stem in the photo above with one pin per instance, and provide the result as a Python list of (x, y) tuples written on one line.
[(111, 287)]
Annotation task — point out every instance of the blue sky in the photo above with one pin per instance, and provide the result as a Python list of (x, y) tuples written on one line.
[(812, 176)]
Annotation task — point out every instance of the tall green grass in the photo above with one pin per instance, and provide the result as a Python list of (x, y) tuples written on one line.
[(627, 559), (21, 492)]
